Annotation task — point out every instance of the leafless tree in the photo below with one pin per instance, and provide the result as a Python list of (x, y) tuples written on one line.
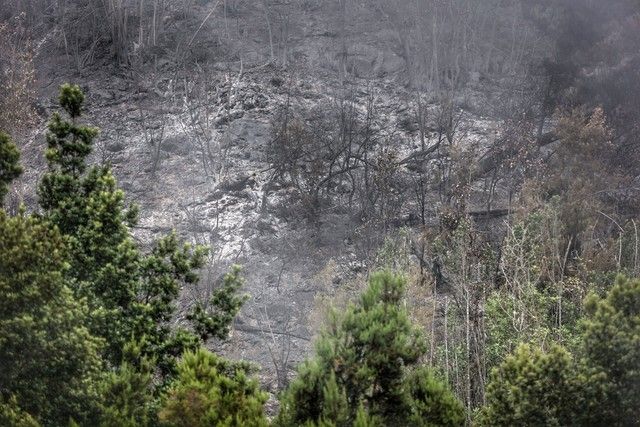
[(279, 344), (17, 77)]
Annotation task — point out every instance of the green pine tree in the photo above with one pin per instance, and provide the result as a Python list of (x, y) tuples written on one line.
[(210, 391), (131, 295), (611, 347), (533, 388), (49, 361), (432, 403), (76, 286), (89, 210), (10, 167), (364, 360), (127, 396)]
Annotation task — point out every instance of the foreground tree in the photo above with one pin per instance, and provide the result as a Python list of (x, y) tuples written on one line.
[(131, 295), (612, 352), (210, 391), (85, 316), (533, 388), (49, 361), (89, 210), (366, 372)]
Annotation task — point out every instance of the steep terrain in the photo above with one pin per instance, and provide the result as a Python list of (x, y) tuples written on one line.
[(485, 153), (188, 144), (229, 212)]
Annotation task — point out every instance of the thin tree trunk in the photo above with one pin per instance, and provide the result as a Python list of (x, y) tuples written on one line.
[(446, 338), (467, 339), (268, 19), (433, 324)]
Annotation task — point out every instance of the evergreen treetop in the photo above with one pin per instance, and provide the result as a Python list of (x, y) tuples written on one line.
[(131, 294), (210, 391), (533, 388), (366, 370)]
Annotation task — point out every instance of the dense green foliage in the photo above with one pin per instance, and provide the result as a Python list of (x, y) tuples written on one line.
[(210, 391), (126, 393), (12, 415), (611, 347), (532, 387), (9, 164), (49, 361), (368, 358)]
